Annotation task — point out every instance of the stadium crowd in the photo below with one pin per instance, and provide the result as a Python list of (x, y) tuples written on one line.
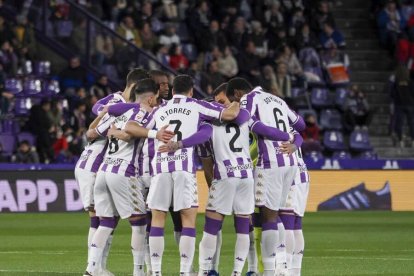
[(287, 47)]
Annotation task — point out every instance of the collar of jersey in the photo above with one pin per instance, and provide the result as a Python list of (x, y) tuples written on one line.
[(179, 96)]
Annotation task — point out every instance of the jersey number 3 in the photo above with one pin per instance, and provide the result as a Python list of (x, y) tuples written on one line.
[(177, 131), (235, 136)]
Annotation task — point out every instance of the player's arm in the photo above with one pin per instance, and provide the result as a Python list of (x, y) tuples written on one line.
[(102, 119), (242, 117), (202, 135), (289, 148), (230, 113), (120, 108), (296, 121), (136, 130), (98, 106), (270, 133), (210, 112), (113, 132)]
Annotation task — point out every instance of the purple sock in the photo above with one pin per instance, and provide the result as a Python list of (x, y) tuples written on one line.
[(94, 222), (288, 221), (241, 225), (157, 232), (298, 223), (139, 222), (190, 232), (108, 222), (271, 225), (212, 226)]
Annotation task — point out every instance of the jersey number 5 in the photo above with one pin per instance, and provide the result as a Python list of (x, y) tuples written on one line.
[(235, 136), (177, 131)]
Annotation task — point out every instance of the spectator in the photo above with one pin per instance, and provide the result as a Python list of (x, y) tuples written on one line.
[(6, 33), (170, 10), (331, 37), (274, 18), (403, 100), (238, 36), (40, 125), (391, 24), (198, 22), (25, 154), (334, 55), (104, 48), (214, 38), (311, 135), (177, 59), (276, 42), (259, 39), (268, 80), (289, 57), (5, 96), (77, 121), (78, 38), (72, 77), (212, 78), (283, 82), (357, 110), (55, 114), (249, 64), (24, 36), (305, 38), (8, 58), (296, 22), (148, 38), (227, 64), (101, 88), (128, 31), (321, 16), (182, 9), (170, 36)]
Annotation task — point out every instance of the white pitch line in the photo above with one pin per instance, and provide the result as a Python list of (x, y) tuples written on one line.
[(38, 271), (361, 258), (361, 250)]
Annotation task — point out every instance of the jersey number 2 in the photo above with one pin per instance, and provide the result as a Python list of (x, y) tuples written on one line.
[(235, 136)]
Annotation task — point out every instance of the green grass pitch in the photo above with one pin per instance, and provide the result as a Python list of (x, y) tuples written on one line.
[(352, 243)]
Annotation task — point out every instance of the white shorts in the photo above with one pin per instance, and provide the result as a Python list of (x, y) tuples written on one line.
[(118, 195), (178, 189), (231, 195), (86, 182), (298, 198), (272, 186)]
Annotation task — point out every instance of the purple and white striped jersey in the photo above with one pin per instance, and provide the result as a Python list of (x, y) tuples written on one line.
[(274, 112), (108, 100), (230, 150), (145, 157), (303, 176), (121, 157), (183, 115), (94, 152)]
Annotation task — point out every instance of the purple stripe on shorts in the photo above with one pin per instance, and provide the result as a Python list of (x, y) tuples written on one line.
[(82, 165), (94, 222), (99, 159), (241, 225), (272, 225), (138, 222), (158, 165), (157, 232), (108, 222), (171, 164), (185, 162), (298, 223), (212, 226), (189, 232), (302, 177), (279, 220), (243, 173), (288, 221), (227, 163), (264, 154)]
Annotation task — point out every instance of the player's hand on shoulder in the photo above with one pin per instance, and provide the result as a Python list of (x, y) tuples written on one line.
[(164, 134)]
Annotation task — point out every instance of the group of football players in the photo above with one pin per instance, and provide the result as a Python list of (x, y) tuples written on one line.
[(140, 164)]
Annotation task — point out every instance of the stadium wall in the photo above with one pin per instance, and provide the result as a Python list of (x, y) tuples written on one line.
[(57, 191)]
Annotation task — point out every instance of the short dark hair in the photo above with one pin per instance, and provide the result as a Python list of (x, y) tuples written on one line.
[(24, 142), (238, 84), (182, 84), (221, 88), (145, 86), (135, 75), (157, 73)]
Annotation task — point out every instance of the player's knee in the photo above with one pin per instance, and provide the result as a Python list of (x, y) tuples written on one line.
[(137, 220), (94, 222), (242, 224), (212, 226), (109, 222)]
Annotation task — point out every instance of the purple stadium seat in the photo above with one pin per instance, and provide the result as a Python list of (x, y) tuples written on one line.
[(314, 76), (359, 141), (41, 68), (7, 140), (340, 97), (320, 97), (314, 155), (303, 112), (309, 58), (22, 106), (10, 126), (190, 51), (26, 136), (50, 88), (110, 70), (13, 86), (299, 94), (32, 87), (367, 155), (64, 28), (334, 140), (343, 154), (330, 119)]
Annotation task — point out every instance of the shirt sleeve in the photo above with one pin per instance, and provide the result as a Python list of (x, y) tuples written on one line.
[(139, 116), (296, 121), (248, 102), (208, 111), (204, 133), (104, 125), (97, 107), (271, 133), (243, 117), (120, 108)]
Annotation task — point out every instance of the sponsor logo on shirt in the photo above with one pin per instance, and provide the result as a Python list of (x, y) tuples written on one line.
[(85, 156), (178, 157), (113, 161), (231, 168)]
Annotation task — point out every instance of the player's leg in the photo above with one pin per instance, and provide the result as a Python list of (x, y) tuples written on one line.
[(178, 227), (185, 200), (138, 245), (299, 247), (216, 259), (159, 201), (105, 209), (146, 182), (108, 246), (252, 256), (281, 247), (243, 207)]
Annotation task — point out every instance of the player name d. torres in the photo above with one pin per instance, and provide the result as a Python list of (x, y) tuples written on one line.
[(175, 110)]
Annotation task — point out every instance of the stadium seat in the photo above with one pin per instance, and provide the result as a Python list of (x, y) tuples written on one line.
[(340, 97), (41, 68), (110, 70), (303, 112), (22, 106), (7, 140), (299, 94), (334, 140), (341, 155), (330, 119), (13, 85), (314, 155), (10, 126), (320, 98), (26, 136), (64, 28), (190, 51), (367, 155), (32, 87), (50, 88), (359, 141)]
